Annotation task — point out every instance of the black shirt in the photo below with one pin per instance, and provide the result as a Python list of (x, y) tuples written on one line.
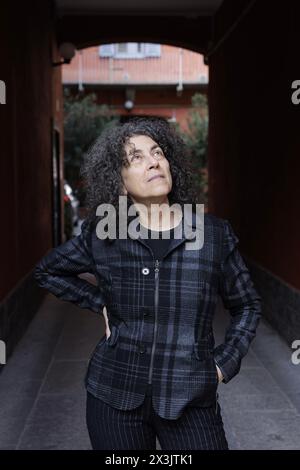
[(158, 245)]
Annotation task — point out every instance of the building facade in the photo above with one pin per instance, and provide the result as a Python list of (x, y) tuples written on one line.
[(139, 78)]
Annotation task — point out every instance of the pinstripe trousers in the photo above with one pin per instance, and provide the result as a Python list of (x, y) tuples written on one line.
[(113, 429)]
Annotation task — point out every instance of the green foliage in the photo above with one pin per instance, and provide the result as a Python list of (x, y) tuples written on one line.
[(196, 137), (84, 120), (196, 140)]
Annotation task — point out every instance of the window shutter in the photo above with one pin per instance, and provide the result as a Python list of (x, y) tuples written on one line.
[(152, 50), (106, 50)]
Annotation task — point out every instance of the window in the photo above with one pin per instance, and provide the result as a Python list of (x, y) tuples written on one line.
[(152, 50), (122, 48), (130, 50), (107, 50)]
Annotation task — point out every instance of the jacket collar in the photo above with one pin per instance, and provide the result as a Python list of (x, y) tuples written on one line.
[(190, 228)]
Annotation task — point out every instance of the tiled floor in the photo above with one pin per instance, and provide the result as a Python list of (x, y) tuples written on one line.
[(42, 396)]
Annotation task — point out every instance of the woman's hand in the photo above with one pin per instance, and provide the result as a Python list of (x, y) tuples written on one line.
[(220, 375), (107, 330)]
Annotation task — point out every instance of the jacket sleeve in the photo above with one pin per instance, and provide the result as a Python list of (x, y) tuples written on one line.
[(58, 272), (243, 302)]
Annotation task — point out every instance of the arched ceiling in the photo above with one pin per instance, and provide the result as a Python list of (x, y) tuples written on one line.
[(184, 23), (138, 7)]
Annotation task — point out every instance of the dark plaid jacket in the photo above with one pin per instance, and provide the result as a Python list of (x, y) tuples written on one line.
[(160, 315)]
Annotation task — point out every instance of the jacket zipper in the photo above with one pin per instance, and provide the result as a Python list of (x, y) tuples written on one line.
[(156, 271)]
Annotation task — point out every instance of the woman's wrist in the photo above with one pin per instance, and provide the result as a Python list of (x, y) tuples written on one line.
[(220, 375)]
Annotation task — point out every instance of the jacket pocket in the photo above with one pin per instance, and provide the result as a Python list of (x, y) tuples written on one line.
[(204, 357), (201, 351), (203, 348)]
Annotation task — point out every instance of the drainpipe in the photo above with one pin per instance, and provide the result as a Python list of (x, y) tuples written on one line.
[(80, 72), (179, 87)]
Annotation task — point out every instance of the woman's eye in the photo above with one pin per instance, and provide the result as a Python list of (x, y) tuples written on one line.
[(135, 157), (159, 152)]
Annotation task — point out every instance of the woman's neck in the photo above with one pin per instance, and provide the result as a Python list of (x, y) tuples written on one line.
[(158, 216)]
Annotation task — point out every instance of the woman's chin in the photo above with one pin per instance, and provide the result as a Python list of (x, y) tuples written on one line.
[(161, 190), (157, 194)]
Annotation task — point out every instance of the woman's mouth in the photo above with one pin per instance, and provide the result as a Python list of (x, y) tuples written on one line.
[(154, 177)]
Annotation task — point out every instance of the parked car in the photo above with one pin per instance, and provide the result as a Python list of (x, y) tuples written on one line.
[(71, 208)]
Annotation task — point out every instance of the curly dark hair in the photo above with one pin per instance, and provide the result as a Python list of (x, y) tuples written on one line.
[(103, 162)]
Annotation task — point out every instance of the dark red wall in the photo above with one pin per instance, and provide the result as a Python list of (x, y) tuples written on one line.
[(254, 143), (26, 128)]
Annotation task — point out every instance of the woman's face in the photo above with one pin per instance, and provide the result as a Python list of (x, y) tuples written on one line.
[(147, 176)]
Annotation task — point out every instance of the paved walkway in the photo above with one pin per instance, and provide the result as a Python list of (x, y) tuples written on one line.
[(42, 397)]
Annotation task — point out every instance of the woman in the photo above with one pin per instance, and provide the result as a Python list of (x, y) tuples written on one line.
[(156, 371)]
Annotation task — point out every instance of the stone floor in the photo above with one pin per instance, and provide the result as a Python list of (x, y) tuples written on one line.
[(42, 397)]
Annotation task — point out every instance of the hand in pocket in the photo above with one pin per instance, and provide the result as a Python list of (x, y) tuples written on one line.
[(107, 329), (220, 375)]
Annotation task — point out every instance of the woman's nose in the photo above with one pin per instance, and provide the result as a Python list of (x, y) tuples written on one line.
[(152, 161)]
